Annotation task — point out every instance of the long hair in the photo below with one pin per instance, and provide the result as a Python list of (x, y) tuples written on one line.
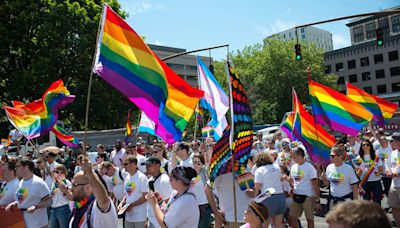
[(371, 149)]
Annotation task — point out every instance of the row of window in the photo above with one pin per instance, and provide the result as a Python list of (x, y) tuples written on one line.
[(370, 28), (351, 64), (380, 89), (181, 66), (366, 76)]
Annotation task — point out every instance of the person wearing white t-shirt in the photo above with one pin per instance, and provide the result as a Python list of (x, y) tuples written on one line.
[(60, 212), (341, 179), (118, 155), (182, 153), (384, 155), (134, 201), (10, 186), (117, 179), (32, 196), (353, 145), (182, 209), (131, 149), (305, 189), (394, 172), (160, 182), (16, 137), (51, 165), (268, 175), (226, 214), (368, 158), (93, 207)]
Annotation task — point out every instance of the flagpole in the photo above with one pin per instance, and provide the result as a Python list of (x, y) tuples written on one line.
[(91, 78), (231, 138)]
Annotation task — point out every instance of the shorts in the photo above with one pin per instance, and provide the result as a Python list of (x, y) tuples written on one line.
[(308, 207), (394, 198), (276, 205)]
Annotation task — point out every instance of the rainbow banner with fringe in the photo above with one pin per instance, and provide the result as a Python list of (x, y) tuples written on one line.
[(337, 110), (125, 62), (40, 116), (314, 137)]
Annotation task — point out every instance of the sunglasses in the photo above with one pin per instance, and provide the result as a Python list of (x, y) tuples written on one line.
[(366, 145), (197, 163), (58, 172), (333, 155), (126, 164), (76, 185)]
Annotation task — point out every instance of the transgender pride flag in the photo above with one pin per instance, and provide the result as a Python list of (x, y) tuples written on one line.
[(146, 124), (215, 99)]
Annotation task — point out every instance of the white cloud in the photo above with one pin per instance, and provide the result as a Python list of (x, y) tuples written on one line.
[(340, 41), (157, 42), (275, 27), (134, 8)]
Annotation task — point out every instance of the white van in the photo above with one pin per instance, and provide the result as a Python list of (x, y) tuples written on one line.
[(268, 132)]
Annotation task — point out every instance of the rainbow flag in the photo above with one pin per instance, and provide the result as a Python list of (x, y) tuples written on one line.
[(314, 137), (65, 137), (221, 159), (387, 108), (287, 126), (40, 116), (5, 143), (125, 62), (199, 113), (128, 128), (337, 110), (207, 131)]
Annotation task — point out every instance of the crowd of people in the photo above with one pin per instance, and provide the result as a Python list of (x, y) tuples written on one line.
[(161, 185)]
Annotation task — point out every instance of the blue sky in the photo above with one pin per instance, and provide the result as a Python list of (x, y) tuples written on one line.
[(199, 24)]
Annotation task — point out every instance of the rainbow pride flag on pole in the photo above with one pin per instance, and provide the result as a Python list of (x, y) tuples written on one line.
[(337, 110), (379, 107), (125, 62), (128, 128), (314, 137), (287, 126)]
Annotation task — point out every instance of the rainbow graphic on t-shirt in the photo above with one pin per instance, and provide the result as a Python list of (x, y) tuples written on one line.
[(298, 174), (114, 180), (130, 187), (336, 178), (195, 181), (21, 194)]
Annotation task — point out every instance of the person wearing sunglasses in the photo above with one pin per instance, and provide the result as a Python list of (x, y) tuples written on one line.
[(159, 151), (10, 186), (131, 149), (116, 179), (340, 178), (60, 211), (369, 171)]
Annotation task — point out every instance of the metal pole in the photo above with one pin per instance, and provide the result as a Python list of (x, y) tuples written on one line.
[(189, 52)]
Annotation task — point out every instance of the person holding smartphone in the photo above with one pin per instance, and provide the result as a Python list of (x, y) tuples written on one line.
[(60, 213)]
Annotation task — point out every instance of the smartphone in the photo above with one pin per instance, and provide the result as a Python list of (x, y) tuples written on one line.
[(151, 186)]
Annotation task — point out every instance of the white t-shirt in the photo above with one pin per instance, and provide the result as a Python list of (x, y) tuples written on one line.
[(100, 219), (366, 164), (30, 193), (141, 159), (49, 180), (7, 192), (135, 186), (58, 197), (395, 168), (15, 134), (355, 149), (284, 157), (118, 184), (269, 176), (186, 163), (340, 179), (302, 176), (118, 158), (182, 211), (197, 187), (384, 156), (223, 185), (162, 186)]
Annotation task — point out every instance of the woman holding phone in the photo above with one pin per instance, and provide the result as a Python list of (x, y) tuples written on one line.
[(60, 212)]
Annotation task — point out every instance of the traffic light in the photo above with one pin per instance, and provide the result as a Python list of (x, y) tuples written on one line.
[(379, 37), (298, 51)]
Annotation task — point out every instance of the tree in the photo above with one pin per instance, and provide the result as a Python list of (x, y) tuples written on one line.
[(42, 41)]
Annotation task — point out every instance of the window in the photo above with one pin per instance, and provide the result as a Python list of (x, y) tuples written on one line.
[(340, 81), (396, 87), (175, 66), (395, 71), (396, 23), (364, 61), (339, 67), (370, 30), (380, 73), (368, 89), (302, 30), (358, 34), (328, 69), (303, 36), (383, 23), (381, 89), (366, 76), (378, 59), (351, 64), (393, 55), (188, 67), (353, 78)]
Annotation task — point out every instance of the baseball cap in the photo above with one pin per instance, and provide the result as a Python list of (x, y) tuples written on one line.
[(151, 160), (396, 136)]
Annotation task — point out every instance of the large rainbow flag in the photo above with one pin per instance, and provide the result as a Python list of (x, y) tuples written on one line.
[(40, 116), (337, 110), (314, 137), (379, 107), (125, 62)]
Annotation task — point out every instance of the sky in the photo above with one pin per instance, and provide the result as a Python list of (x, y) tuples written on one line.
[(200, 24)]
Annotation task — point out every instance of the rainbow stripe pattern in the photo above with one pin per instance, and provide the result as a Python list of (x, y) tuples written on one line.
[(207, 131), (221, 162), (316, 139), (128, 126), (40, 116), (337, 110), (65, 137), (5, 143), (199, 112), (287, 126), (125, 62)]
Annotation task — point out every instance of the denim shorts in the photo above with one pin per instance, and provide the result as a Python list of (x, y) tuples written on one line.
[(276, 204)]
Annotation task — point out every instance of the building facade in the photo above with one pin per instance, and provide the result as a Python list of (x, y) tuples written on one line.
[(321, 38), (185, 65)]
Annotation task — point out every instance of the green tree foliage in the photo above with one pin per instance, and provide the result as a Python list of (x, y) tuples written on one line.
[(42, 41), (270, 71)]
